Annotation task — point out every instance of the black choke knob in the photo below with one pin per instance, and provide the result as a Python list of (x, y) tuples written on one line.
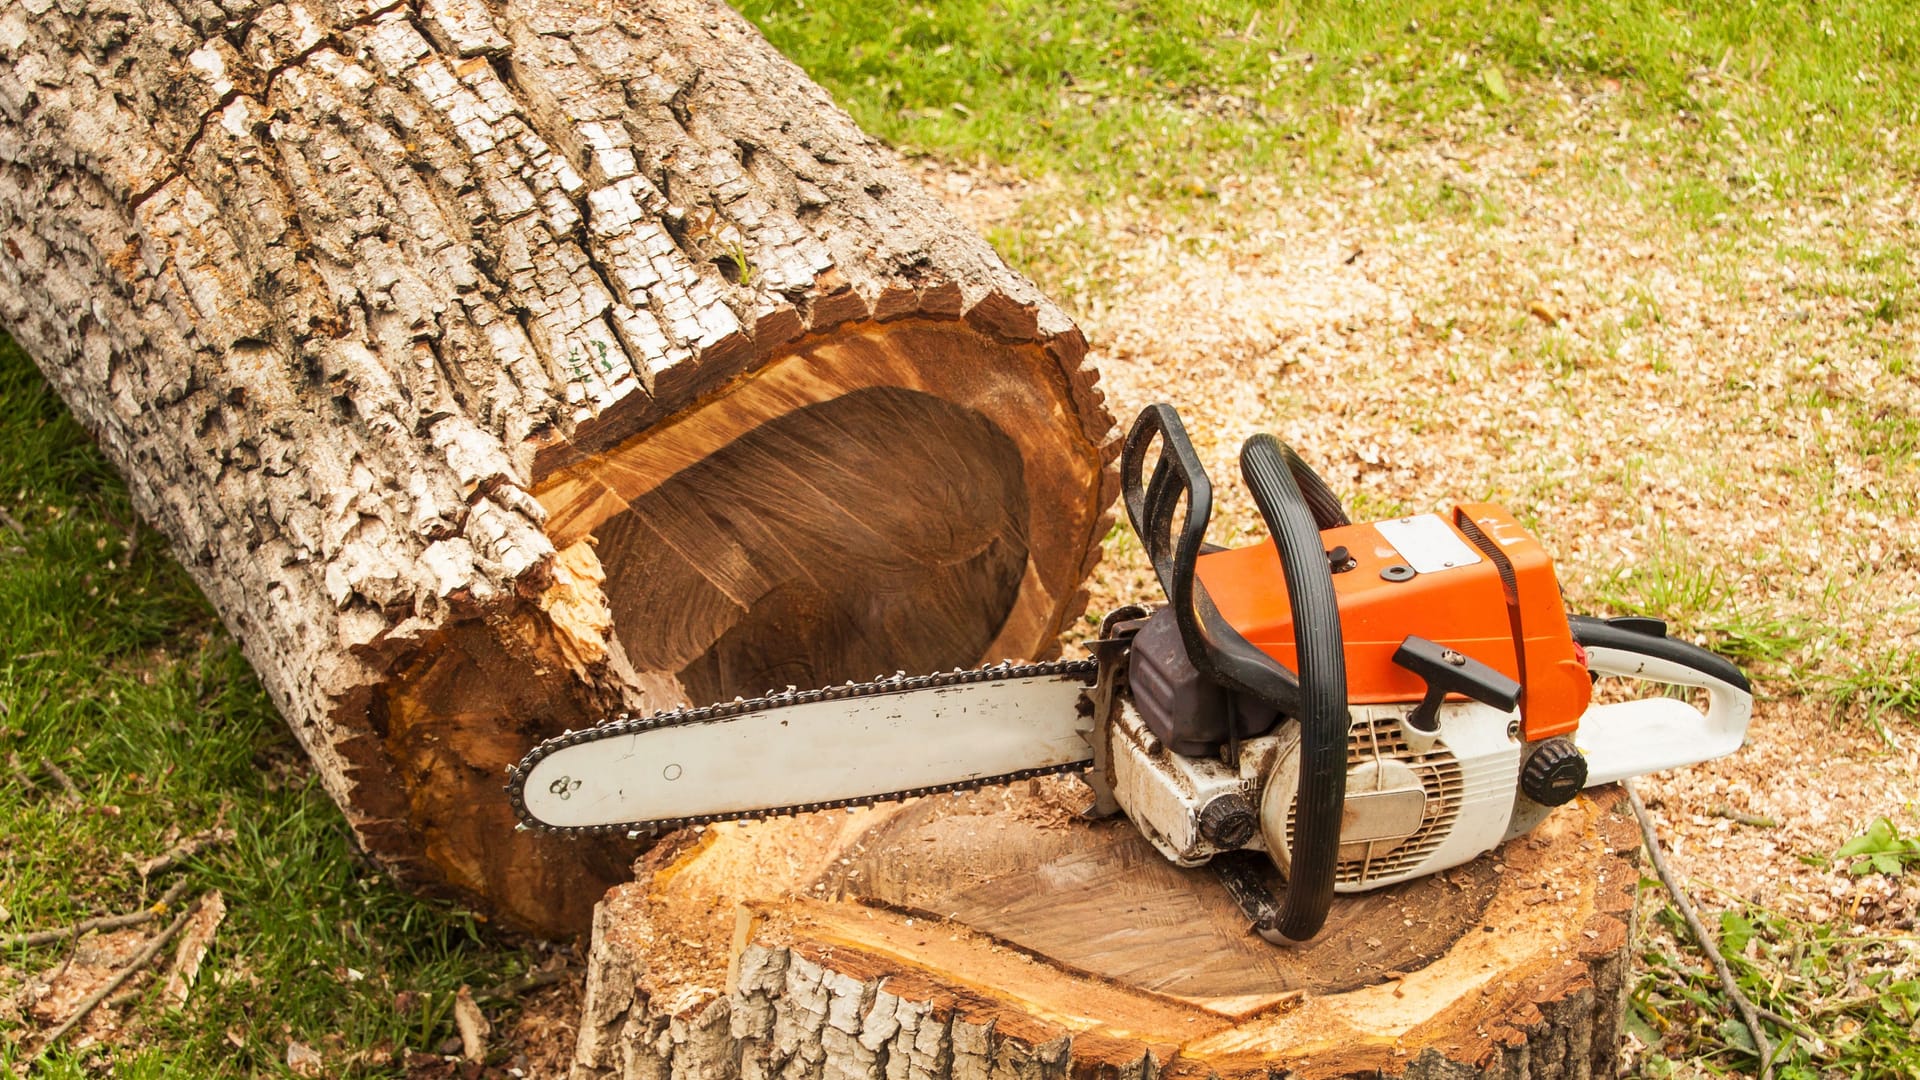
[(1555, 772), (1228, 821)]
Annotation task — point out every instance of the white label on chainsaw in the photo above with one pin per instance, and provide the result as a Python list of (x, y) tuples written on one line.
[(1428, 543)]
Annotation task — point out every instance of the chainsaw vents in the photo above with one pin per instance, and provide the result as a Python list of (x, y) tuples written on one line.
[(1400, 803), (1408, 811)]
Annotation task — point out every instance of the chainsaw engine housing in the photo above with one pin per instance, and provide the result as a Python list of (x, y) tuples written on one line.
[(1474, 580), (1193, 762), (1415, 803)]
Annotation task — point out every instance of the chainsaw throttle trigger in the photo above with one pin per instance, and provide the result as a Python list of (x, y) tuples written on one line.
[(1449, 671)]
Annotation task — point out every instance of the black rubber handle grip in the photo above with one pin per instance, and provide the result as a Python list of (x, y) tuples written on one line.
[(1327, 511), (1153, 505), (1218, 651), (1321, 696)]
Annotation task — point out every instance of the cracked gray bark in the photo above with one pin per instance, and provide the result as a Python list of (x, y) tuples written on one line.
[(494, 365)]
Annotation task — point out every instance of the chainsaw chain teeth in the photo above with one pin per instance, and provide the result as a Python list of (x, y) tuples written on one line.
[(899, 683)]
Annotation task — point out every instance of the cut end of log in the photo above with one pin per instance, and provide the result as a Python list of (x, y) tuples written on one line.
[(910, 495), (997, 932), (893, 496)]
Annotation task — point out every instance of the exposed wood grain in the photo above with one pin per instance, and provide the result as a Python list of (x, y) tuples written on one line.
[(1098, 897), (784, 947)]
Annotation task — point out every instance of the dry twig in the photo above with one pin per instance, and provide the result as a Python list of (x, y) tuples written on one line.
[(1748, 1015), (20, 776), (1789, 1023), (184, 850), (533, 980), (60, 777), (104, 922), (119, 977), (13, 523), (1755, 820)]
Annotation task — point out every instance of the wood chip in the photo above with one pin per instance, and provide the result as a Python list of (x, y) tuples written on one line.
[(304, 1060), (195, 939), (472, 1024)]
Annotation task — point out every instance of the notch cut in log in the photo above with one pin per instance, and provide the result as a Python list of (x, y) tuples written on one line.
[(495, 366), (999, 934)]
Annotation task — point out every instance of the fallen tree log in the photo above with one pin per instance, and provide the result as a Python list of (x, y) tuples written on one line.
[(1000, 934), (495, 366)]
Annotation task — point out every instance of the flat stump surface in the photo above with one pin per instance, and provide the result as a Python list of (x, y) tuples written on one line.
[(1067, 945), (1097, 897)]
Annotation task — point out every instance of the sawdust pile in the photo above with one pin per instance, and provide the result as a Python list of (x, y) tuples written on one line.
[(1688, 418)]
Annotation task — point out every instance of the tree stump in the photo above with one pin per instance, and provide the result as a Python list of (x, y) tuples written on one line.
[(496, 365), (999, 934)]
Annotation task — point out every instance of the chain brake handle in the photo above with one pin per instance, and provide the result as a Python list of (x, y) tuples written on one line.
[(1217, 650)]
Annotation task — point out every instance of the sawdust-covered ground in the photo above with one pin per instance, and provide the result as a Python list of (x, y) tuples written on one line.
[(1706, 423)]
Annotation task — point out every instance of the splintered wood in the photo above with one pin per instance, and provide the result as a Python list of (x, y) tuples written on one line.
[(996, 934), (497, 366)]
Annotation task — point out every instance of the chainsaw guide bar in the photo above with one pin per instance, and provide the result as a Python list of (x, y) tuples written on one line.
[(1074, 671)]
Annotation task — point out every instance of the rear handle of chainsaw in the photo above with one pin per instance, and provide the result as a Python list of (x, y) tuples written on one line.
[(1632, 738), (1316, 697)]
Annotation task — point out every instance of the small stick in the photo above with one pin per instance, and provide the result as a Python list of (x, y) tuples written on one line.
[(1747, 1014), (60, 777), (184, 850), (119, 977), (1789, 1023), (13, 523), (1739, 818), (532, 980), (104, 922)]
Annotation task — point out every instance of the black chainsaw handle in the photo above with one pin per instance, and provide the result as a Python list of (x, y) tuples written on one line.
[(1327, 511), (1152, 507), (1271, 469), (1179, 483), (1317, 697)]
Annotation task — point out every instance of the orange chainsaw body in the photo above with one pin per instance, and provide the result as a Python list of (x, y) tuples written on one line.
[(1521, 631)]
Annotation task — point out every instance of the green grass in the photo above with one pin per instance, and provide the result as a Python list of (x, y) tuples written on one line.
[(1877, 687), (1669, 583), (1730, 99), (1850, 1003), (113, 670)]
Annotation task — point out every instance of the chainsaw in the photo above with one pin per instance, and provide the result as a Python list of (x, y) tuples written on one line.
[(1355, 705)]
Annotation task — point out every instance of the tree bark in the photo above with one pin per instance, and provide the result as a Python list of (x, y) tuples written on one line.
[(1000, 935), (495, 365)]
